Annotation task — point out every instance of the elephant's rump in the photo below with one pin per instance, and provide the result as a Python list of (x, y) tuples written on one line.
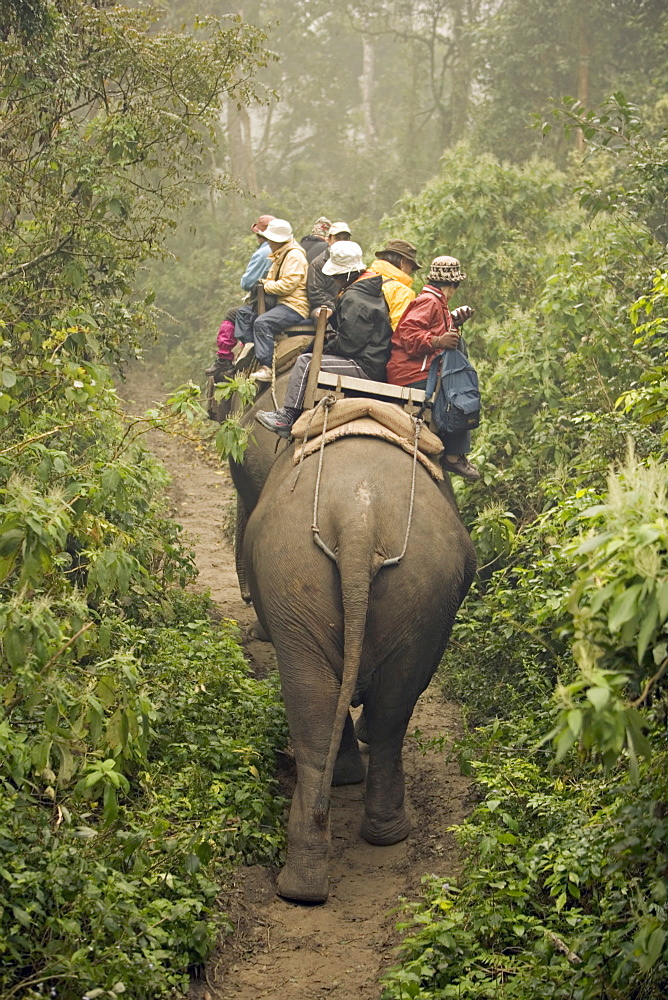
[(366, 427)]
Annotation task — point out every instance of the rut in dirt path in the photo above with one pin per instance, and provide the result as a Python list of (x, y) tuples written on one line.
[(281, 950)]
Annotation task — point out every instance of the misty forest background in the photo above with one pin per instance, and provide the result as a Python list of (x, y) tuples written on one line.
[(137, 753)]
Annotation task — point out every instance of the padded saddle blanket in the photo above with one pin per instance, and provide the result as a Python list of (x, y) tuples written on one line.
[(366, 418), (287, 351)]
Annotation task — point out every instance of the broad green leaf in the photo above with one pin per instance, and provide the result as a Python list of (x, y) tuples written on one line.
[(118, 730), (598, 696), (624, 607), (10, 541), (662, 598), (574, 720), (15, 647), (564, 742), (51, 716), (110, 810), (68, 764), (22, 916), (648, 626)]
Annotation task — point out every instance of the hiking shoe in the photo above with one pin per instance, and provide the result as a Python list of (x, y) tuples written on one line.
[(276, 421), (462, 467), (262, 374)]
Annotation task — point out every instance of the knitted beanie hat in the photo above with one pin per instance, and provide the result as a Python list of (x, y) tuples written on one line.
[(447, 269)]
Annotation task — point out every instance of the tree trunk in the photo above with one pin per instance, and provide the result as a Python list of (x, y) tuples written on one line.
[(583, 76), (241, 150), (366, 87), (461, 72)]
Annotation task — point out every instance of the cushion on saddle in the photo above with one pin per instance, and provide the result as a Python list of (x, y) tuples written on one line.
[(366, 427), (389, 415), (287, 351)]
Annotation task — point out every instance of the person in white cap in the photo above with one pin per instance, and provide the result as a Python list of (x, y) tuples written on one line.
[(425, 329), (321, 288), (315, 241), (287, 281), (360, 345)]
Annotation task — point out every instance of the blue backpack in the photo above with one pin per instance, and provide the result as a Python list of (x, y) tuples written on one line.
[(457, 403)]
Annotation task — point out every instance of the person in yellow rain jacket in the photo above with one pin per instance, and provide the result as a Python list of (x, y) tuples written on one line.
[(396, 263)]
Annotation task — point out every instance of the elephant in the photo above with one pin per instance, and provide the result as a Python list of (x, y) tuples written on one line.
[(250, 476), (348, 629)]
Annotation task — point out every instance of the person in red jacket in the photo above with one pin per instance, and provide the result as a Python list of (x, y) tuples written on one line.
[(427, 327)]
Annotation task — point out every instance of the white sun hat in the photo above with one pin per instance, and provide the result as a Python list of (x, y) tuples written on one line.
[(278, 231), (344, 256)]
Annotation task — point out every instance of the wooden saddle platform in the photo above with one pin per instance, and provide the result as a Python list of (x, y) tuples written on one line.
[(366, 417), (321, 383)]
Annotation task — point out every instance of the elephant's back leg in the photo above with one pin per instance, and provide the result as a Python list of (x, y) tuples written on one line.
[(388, 706), (310, 693)]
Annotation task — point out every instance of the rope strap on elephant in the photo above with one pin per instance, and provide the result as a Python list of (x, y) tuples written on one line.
[(417, 424), (273, 380), (327, 402)]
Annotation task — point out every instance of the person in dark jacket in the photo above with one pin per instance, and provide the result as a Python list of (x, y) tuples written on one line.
[(360, 344), (321, 288), (314, 243)]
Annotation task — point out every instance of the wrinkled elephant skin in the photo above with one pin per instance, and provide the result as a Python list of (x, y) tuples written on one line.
[(352, 631), (250, 476)]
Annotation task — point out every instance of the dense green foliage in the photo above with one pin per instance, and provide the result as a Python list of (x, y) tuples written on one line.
[(110, 882), (564, 892), (565, 642), (136, 754)]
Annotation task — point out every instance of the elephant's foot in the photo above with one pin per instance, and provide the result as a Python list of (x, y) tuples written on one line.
[(349, 768), (386, 832), (255, 631), (304, 885), (361, 730)]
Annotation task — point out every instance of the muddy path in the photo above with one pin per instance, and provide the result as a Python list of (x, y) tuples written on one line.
[(280, 950)]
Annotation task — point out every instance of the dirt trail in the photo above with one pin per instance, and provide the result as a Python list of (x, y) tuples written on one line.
[(283, 951)]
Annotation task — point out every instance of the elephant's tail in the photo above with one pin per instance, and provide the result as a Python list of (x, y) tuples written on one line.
[(356, 573)]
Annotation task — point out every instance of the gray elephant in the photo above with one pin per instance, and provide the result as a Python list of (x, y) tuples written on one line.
[(352, 630), (249, 478)]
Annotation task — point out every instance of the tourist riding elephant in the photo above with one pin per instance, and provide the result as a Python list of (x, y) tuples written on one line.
[(347, 627)]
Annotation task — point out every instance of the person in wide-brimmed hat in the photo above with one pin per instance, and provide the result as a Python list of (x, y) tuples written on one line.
[(425, 329), (287, 281), (321, 288), (360, 346), (396, 262)]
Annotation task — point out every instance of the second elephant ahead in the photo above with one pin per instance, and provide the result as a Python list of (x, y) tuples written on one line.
[(352, 630)]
